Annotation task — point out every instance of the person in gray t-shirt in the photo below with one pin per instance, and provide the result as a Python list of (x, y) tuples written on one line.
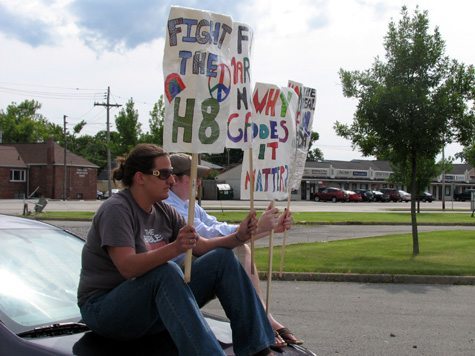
[(127, 290)]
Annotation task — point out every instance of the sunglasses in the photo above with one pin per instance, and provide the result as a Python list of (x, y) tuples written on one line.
[(162, 174)]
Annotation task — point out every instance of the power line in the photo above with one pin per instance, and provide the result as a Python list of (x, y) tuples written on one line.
[(51, 95), (51, 86)]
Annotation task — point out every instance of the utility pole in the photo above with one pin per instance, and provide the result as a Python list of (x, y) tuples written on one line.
[(443, 178), (65, 166), (108, 105)]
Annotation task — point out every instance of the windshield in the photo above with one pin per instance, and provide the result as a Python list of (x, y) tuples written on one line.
[(39, 273)]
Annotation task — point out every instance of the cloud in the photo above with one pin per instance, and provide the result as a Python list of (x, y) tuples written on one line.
[(114, 25), (120, 25), (25, 29), (318, 18)]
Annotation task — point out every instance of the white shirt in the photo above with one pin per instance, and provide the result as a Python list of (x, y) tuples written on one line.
[(206, 225)]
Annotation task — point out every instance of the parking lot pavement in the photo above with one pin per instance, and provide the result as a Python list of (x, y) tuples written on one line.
[(375, 319)]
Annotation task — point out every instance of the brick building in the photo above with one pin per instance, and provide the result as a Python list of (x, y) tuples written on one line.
[(27, 167)]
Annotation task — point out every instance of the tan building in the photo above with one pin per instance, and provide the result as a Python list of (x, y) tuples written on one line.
[(361, 174)]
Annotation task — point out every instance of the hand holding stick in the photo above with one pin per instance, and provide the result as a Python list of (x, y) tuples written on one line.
[(269, 270), (191, 212)]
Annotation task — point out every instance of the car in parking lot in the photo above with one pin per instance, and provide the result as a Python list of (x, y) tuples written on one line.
[(353, 196), (425, 197), (331, 194), (366, 195), (463, 196), (404, 196), (39, 316), (113, 191), (396, 195), (380, 196)]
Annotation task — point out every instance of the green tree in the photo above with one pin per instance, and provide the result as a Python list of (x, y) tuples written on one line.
[(427, 170), (21, 123), (155, 122), (411, 104), (128, 129), (314, 154), (230, 156), (468, 154), (92, 148)]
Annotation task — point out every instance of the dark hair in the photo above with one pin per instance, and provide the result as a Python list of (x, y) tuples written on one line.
[(140, 159)]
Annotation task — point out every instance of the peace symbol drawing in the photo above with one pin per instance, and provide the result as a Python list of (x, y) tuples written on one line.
[(220, 86)]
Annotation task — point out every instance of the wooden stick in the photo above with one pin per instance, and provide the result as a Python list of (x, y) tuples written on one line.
[(269, 268), (191, 212), (251, 205), (282, 249)]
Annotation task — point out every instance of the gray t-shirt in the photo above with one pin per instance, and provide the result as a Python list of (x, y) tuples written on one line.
[(120, 222)]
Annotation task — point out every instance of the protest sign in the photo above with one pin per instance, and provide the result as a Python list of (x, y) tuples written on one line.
[(305, 113), (196, 68), (273, 135), (197, 72), (240, 115)]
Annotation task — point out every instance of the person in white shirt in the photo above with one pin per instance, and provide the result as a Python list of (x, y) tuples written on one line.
[(209, 227)]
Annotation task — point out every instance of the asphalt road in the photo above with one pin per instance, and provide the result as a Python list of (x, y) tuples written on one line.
[(376, 319)]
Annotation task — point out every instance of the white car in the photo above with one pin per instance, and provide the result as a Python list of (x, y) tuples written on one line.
[(405, 196), (113, 191)]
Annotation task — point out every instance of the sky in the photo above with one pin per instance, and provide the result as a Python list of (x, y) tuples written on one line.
[(65, 53)]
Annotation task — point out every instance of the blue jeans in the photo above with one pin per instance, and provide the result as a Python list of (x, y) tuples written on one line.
[(160, 299)]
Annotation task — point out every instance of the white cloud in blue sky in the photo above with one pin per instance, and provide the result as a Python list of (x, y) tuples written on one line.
[(92, 44), (24, 28)]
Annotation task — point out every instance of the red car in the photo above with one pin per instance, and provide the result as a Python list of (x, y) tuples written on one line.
[(331, 194), (353, 196)]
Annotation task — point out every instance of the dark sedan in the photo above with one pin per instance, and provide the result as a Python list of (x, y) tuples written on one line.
[(366, 195), (39, 274), (425, 197), (380, 196)]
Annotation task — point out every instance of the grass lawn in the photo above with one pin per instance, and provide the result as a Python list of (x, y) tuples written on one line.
[(441, 253), (65, 215)]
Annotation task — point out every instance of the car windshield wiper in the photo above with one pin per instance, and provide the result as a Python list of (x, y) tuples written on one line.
[(55, 330)]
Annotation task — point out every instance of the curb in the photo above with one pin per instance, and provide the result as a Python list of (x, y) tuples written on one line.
[(370, 278)]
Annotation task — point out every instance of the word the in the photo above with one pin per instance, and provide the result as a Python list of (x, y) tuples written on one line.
[(200, 62)]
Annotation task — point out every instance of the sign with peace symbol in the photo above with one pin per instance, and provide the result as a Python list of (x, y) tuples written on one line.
[(220, 85)]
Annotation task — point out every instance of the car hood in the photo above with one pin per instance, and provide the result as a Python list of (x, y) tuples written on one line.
[(91, 344)]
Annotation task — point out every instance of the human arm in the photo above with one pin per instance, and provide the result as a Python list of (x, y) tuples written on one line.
[(243, 233), (131, 264), (284, 222), (271, 220), (208, 226)]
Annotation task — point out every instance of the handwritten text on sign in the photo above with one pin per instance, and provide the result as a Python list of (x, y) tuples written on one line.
[(273, 133), (197, 74)]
